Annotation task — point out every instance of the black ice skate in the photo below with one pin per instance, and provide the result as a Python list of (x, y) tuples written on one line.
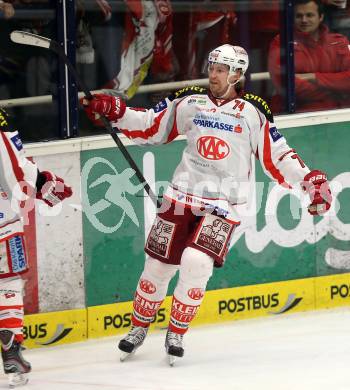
[(133, 340), (15, 366), (174, 346)]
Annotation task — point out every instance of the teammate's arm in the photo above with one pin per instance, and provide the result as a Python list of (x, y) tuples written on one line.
[(20, 173)]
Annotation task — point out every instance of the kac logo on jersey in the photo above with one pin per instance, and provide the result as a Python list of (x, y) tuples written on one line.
[(212, 148), (17, 142), (275, 134), (162, 105)]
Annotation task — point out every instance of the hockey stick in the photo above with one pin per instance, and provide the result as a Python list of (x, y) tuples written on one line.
[(26, 38)]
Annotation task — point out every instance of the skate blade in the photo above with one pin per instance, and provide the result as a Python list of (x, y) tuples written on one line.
[(171, 360), (17, 379), (126, 355)]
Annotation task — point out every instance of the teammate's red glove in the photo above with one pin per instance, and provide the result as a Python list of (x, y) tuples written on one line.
[(112, 107), (316, 185), (52, 189)]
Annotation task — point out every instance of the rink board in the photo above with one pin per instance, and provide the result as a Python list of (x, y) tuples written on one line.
[(277, 240), (229, 304), (99, 264), (235, 304)]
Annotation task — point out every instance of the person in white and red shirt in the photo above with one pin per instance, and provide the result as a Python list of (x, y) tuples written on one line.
[(20, 183), (223, 127)]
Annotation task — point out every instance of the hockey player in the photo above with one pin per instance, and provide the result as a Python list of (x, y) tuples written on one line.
[(20, 180), (194, 226)]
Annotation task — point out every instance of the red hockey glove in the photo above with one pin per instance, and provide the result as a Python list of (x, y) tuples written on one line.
[(316, 185), (53, 189), (112, 107)]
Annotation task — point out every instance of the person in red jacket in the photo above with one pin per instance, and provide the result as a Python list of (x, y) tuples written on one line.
[(322, 62)]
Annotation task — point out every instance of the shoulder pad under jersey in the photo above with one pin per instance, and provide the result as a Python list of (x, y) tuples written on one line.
[(4, 121), (190, 90), (259, 103)]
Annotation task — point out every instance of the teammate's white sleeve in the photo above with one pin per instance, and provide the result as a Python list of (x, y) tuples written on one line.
[(15, 168), (154, 126), (278, 160)]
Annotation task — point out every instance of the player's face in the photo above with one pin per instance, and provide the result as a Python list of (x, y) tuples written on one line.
[(307, 18), (218, 74)]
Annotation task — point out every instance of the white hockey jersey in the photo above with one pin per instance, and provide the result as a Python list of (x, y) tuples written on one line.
[(17, 175), (216, 162)]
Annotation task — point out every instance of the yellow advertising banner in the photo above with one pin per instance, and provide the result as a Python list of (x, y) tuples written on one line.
[(256, 301), (219, 305), (229, 304), (62, 327), (332, 291), (110, 320)]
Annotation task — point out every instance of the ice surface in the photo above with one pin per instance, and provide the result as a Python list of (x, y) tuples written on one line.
[(285, 352)]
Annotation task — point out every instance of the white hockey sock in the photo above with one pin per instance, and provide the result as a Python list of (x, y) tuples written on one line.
[(11, 307), (151, 290), (195, 271)]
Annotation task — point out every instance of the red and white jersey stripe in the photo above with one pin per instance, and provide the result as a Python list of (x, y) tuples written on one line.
[(17, 182), (221, 138)]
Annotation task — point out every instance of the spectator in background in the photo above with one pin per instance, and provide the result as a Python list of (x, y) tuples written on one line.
[(196, 32), (147, 42), (85, 52), (337, 16), (322, 62), (7, 9)]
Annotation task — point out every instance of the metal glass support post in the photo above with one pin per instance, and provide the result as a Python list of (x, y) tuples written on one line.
[(287, 54), (67, 90), (72, 86)]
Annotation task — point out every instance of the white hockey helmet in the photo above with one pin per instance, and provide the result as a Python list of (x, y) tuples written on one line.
[(234, 56)]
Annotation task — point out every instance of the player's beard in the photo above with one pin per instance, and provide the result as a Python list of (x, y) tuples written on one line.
[(217, 91), (225, 94)]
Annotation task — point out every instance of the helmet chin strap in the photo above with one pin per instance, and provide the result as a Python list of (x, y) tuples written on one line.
[(225, 95), (228, 90)]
